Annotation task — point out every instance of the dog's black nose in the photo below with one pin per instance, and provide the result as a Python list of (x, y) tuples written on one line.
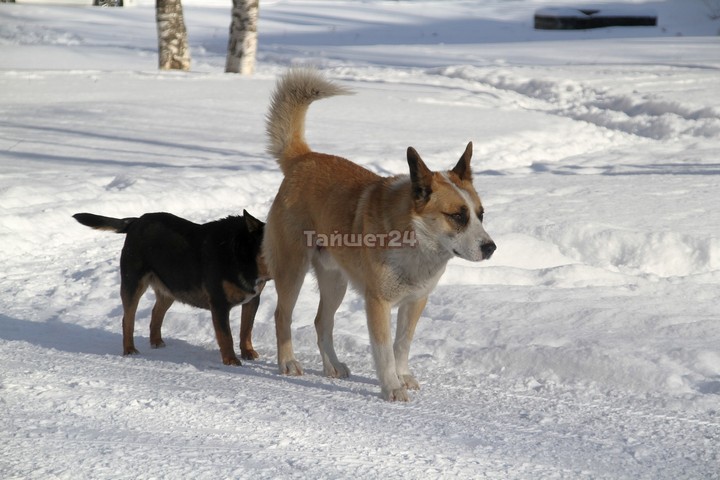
[(487, 249)]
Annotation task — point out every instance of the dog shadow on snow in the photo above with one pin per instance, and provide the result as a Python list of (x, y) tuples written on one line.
[(70, 338)]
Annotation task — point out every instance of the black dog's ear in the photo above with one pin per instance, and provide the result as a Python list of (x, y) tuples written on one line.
[(462, 169), (252, 223), (421, 178)]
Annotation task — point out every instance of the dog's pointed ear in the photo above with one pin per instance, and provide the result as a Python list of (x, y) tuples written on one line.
[(462, 169), (252, 223), (420, 176)]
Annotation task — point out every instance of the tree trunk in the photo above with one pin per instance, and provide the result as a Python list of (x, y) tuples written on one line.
[(242, 45), (172, 37)]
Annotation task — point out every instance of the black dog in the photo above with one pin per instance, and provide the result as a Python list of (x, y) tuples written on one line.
[(214, 266)]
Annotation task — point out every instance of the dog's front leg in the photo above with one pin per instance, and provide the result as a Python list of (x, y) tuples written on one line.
[(378, 317), (408, 316), (247, 321), (221, 322)]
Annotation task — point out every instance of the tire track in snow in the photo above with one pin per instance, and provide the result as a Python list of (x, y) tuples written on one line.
[(563, 427), (101, 405), (138, 408)]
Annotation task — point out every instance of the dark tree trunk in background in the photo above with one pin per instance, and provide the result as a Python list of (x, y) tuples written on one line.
[(242, 45), (172, 36)]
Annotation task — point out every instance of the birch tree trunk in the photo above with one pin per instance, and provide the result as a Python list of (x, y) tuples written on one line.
[(173, 50), (242, 45)]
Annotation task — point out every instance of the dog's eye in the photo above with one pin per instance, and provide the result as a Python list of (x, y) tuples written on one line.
[(481, 215), (459, 218)]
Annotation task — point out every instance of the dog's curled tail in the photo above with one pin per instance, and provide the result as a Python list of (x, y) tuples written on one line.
[(293, 94), (98, 222)]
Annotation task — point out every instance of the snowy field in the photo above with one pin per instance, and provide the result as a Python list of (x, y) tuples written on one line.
[(588, 347)]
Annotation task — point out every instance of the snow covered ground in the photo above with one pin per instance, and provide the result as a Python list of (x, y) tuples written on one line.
[(588, 347)]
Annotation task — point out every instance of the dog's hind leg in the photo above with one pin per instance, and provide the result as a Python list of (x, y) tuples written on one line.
[(162, 304), (287, 261), (221, 322), (288, 282), (247, 321), (408, 316), (332, 285), (131, 290)]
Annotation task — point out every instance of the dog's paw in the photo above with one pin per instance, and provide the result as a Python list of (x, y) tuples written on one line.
[(248, 354), (130, 351), (291, 367), (396, 395), (409, 381), (231, 361), (157, 344), (338, 370)]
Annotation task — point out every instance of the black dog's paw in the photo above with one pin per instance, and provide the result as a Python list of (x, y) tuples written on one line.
[(250, 354), (231, 361)]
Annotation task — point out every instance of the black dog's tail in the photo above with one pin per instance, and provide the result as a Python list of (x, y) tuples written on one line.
[(98, 222)]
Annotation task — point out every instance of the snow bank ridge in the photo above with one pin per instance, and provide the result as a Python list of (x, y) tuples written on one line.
[(662, 254), (22, 35), (635, 114)]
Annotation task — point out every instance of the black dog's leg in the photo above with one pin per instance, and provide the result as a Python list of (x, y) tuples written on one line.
[(162, 304), (221, 322), (247, 352), (130, 293)]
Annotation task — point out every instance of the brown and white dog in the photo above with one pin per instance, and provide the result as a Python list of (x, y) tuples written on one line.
[(389, 237)]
